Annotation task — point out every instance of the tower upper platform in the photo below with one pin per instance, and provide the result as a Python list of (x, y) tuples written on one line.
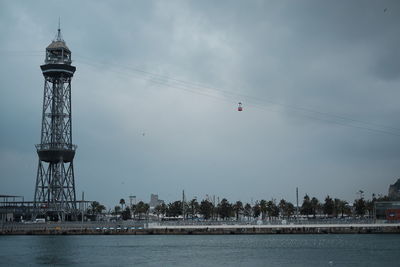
[(58, 58)]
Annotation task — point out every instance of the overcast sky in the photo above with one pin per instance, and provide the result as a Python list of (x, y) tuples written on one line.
[(157, 85)]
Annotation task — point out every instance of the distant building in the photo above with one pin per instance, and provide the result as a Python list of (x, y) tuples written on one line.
[(387, 210), (14, 208), (154, 201), (394, 191)]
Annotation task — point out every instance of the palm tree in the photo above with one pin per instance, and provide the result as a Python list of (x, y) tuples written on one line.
[(193, 207), (126, 214), (289, 209), (146, 210), (256, 210), (185, 209), (369, 205), (134, 210), (96, 208), (163, 209), (314, 205), (122, 203), (160, 209), (360, 206), (247, 210), (329, 206), (237, 208), (282, 206), (175, 209), (306, 207), (206, 209), (224, 209), (286, 208), (117, 210), (336, 205), (157, 211), (342, 207), (140, 208), (272, 209), (263, 207)]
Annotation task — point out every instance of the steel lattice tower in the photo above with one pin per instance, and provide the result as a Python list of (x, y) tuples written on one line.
[(55, 184)]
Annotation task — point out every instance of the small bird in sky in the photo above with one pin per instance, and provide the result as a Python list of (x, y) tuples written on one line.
[(385, 10)]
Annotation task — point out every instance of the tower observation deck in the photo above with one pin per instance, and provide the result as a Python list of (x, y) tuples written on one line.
[(55, 183)]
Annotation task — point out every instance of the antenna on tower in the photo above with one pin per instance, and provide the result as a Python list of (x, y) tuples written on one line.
[(59, 36)]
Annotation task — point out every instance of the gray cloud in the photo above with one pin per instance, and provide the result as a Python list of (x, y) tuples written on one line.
[(280, 58)]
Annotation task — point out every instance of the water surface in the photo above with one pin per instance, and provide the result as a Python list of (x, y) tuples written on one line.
[(189, 250)]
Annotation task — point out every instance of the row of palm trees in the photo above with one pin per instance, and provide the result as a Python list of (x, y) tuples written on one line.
[(263, 209)]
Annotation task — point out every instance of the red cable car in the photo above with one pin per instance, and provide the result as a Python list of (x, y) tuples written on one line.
[(240, 107)]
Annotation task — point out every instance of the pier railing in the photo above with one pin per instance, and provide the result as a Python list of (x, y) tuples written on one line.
[(272, 221)]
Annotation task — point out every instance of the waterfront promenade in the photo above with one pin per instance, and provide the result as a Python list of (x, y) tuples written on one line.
[(143, 228)]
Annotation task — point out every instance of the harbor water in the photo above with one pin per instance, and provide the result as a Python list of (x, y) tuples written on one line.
[(202, 250)]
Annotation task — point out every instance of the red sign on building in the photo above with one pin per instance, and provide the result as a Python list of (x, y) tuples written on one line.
[(392, 214)]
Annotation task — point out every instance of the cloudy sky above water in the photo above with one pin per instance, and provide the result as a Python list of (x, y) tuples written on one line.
[(157, 85)]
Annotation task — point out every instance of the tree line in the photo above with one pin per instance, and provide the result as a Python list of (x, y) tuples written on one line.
[(311, 207)]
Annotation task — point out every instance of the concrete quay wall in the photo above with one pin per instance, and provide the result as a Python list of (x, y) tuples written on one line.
[(212, 230)]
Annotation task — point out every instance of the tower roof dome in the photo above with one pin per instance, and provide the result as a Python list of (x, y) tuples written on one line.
[(58, 41), (58, 52), (57, 44)]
